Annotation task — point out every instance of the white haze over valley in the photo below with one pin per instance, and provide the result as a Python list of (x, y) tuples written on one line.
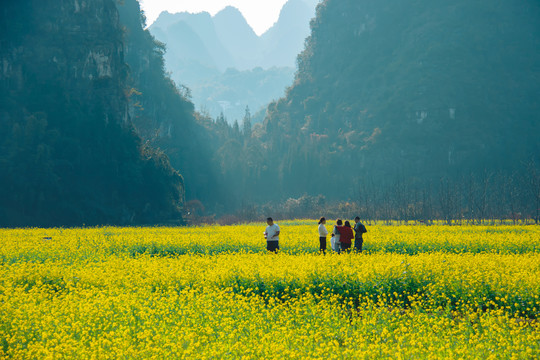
[(260, 15)]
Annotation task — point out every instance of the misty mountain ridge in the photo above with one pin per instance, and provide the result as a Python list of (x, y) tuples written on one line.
[(201, 47), (237, 36), (229, 30)]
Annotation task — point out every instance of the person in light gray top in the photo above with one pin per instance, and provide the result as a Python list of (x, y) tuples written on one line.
[(323, 233), (272, 235)]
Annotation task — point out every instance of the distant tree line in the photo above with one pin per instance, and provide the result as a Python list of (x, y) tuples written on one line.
[(473, 198), (468, 199)]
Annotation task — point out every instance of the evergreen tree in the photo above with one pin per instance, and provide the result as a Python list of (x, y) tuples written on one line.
[(246, 124), (236, 129)]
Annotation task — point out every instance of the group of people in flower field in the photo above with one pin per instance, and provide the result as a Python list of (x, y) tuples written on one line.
[(341, 240), (342, 235)]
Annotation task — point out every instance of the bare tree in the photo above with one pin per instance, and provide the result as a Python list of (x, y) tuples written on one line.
[(479, 196), (447, 200), (534, 187)]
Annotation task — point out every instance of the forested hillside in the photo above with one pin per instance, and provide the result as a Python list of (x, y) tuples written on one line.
[(164, 115), (409, 90), (69, 154)]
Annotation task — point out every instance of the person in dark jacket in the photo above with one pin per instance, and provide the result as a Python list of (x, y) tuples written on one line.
[(359, 229)]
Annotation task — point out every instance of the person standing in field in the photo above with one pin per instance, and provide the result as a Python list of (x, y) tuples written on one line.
[(359, 229), (323, 233), (334, 242), (272, 236), (346, 236)]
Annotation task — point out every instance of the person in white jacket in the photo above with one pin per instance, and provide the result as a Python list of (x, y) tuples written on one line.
[(323, 233), (336, 245)]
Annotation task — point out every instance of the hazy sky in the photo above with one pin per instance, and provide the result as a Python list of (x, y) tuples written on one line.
[(260, 14)]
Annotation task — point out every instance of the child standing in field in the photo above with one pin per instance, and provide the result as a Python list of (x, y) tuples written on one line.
[(335, 236), (323, 233)]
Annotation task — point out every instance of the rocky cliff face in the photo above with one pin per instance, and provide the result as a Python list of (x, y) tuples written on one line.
[(163, 114), (68, 151), (69, 43)]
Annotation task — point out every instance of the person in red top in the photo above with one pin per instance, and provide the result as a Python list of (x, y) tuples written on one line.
[(346, 236)]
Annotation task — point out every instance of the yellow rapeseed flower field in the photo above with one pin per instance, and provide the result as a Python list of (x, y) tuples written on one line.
[(470, 292)]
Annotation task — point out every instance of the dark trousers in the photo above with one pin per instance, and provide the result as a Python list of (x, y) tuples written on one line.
[(322, 242), (272, 246), (345, 247), (358, 244)]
